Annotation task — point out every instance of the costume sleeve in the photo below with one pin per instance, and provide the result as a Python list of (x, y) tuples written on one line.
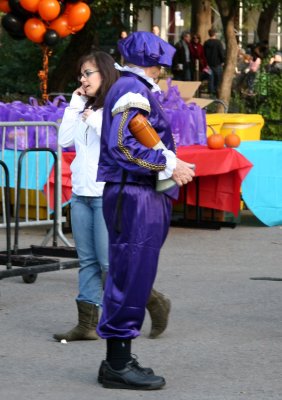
[(70, 119), (127, 151)]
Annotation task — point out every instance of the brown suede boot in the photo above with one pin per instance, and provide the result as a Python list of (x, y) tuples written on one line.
[(159, 307), (86, 327)]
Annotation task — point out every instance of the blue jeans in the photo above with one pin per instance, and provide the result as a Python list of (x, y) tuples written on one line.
[(91, 240)]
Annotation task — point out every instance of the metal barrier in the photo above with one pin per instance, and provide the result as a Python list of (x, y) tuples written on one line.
[(27, 176), (6, 206), (29, 206)]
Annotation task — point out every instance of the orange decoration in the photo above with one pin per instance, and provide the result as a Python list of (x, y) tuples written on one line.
[(4, 6), (78, 14), (215, 141), (43, 74), (232, 140), (49, 9), (69, 6), (30, 5), (76, 28), (34, 30), (61, 26)]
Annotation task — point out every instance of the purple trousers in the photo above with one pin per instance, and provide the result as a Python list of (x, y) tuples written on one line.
[(133, 256)]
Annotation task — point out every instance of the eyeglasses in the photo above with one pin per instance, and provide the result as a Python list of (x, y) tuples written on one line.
[(86, 74)]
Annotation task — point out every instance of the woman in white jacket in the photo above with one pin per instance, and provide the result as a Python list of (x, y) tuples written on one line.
[(81, 127)]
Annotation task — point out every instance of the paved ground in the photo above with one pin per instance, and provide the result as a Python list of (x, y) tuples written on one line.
[(224, 338)]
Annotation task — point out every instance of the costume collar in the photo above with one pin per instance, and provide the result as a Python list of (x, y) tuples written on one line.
[(141, 73)]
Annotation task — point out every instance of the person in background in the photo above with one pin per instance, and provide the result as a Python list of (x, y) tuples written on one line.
[(137, 216), (156, 30), (254, 67), (123, 35), (214, 54), (81, 126), (117, 56), (198, 58), (241, 70), (275, 64), (262, 49), (182, 62)]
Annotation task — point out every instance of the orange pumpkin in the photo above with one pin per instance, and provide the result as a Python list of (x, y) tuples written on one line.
[(232, 140), (215, 141)]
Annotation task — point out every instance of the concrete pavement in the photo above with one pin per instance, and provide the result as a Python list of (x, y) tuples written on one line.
[(224, 338)]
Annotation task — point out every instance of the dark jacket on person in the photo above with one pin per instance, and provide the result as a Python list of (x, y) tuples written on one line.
[(214, 52), (180, 59)]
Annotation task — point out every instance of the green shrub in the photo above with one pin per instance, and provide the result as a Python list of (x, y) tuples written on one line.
[(267, 102), (269, 87)]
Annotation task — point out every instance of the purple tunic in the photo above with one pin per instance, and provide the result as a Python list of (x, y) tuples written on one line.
[(143, 213)]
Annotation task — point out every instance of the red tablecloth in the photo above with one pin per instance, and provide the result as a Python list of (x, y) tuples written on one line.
[(220, 175), (67, 158)]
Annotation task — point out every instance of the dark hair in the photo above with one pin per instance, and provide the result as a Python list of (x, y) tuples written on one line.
[(195, 35), (184, 33), (211, 32), (105, 65)]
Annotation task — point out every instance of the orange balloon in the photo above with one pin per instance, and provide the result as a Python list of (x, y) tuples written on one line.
[(34, 30), (68, 8), (49, 9), (30, 5), (78, 14), (76, 28), (4, 6), (61, 26)]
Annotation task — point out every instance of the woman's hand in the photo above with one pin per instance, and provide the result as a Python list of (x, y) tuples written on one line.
[(183, 172), (86, 114), (80, 91)]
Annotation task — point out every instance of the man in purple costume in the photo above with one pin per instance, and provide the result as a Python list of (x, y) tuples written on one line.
[(137, 216)]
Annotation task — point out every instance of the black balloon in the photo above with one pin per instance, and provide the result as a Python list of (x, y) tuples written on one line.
[(13, 25), (51, 37), (18, 10)]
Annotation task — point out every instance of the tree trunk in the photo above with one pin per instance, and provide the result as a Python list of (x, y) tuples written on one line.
[(265, 19), (227, 9), (201, 18)]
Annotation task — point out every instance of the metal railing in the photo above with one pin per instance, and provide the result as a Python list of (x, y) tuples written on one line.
[(30, 151)]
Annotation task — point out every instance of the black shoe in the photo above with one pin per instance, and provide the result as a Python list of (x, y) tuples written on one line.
[(131, 377), (103, 366)]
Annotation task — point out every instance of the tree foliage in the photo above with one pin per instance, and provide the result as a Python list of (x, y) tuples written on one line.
[(108, 18)]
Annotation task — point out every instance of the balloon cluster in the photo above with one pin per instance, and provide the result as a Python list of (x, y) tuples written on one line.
[(44, 21)]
